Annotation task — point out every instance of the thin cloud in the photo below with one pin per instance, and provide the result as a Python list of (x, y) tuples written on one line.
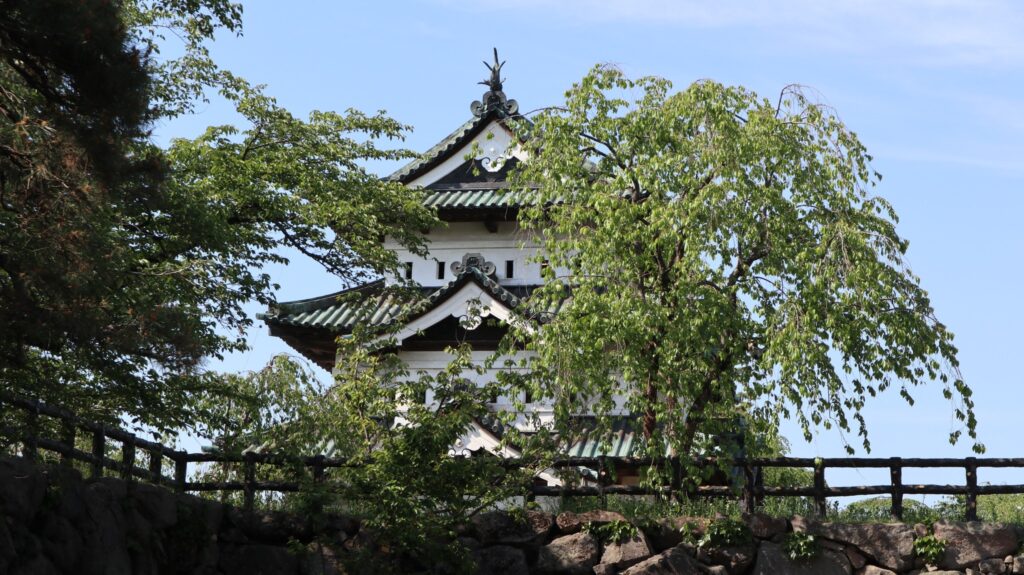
[(1006, 162), (927, 32)]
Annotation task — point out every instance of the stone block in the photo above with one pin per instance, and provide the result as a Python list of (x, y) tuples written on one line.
[(499, 527), (157, 504), (764, 526), (889, 545), (992, 565), (772, 560), (970, 542), (500, 559), (569, 522), (574, 554), (22, 488), (674, 561), (628, 552), (258, 559)]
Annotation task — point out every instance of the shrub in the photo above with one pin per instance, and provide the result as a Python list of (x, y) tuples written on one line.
[(930, 548), (800, 546), (611, 532), (725, 533)]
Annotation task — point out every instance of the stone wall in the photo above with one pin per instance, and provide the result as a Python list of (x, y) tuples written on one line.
[(52, 521), (569, 543)]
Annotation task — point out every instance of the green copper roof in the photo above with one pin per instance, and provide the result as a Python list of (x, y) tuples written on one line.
[(374, 305), (441, 150), (469, 199), (618, 442), (340, 311)]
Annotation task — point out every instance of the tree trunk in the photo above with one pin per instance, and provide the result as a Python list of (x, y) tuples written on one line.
[(650, 417)]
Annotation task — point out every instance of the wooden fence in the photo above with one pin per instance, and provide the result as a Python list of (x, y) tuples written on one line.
[(751, 492)]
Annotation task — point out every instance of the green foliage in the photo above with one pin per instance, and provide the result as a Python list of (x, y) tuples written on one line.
[(123, 266), (930, 548), (879, 509), (73, 108), (997, 508), (690, 533), (724, 253), (405, 484), (184, 28), (725, 532), (800, 546), (612, 532)]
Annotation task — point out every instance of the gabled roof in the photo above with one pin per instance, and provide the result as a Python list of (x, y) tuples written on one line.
[(618, 441), (469, 199), (493, 106), (340, 311), (374, 305), (442, 150)]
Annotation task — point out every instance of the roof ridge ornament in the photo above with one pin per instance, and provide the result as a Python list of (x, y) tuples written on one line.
[(494, 99), (474, 260)]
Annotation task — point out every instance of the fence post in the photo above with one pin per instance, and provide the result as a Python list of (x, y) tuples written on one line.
[(564, 476), (250, 480), (758, 486), (971, 469), (602, 480), (318, 482), (749, 504), (30, 441), (99, 452), (156, 461), (820, 504), (677, 479), (127, 459), (180, 471), (896, 478), (68, 432)]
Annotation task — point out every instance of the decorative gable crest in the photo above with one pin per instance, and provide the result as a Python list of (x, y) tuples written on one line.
[(475, 260)]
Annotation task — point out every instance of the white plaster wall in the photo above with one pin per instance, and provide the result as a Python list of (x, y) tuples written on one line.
[(433, 362), (450, 244), (493, 142)]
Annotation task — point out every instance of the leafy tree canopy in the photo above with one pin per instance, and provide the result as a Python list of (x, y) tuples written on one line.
[(405, 484), (724, 258), (123, 266)]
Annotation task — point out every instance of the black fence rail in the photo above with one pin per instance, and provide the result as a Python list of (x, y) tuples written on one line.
[(750, 492)]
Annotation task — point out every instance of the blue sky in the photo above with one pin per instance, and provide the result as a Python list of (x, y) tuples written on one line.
[(932, 87)]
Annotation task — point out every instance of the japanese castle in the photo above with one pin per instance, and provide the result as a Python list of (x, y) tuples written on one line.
[(479, 263)]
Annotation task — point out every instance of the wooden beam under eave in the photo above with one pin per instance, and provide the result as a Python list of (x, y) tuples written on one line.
[(491, 224)]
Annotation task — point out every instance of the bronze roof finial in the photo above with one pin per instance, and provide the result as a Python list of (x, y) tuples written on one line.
[(495, 80), (494, 99)]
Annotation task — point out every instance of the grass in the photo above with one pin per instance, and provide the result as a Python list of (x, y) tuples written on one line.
[(646, 509)]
